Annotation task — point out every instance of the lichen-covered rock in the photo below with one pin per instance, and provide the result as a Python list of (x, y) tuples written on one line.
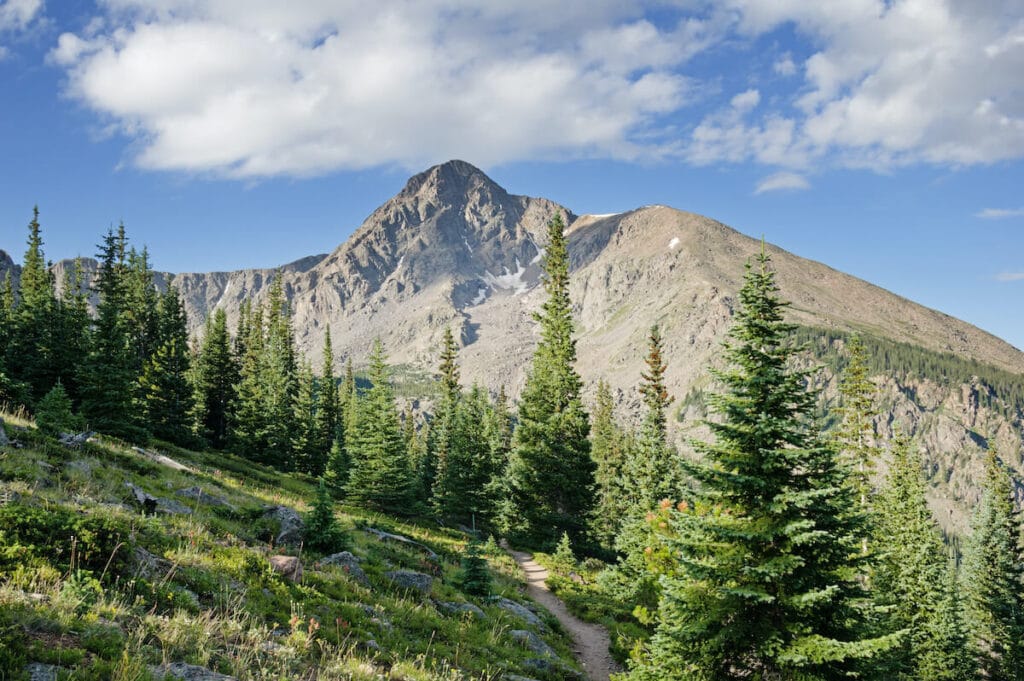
[(38, 671), (202, 497), (519, 610), (4, 440), (532, 642), (151, 504), (74, 440), (388, 536), (289, 566), (451, 608), (350, 564), (412, 581), (149, 565), (188, 672), (548, 667), (290, 525)]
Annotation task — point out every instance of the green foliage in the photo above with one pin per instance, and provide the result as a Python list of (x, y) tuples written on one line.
[(994, 579), (166, 393), (854, 435), (32, 535), (80, 591), (474, 576), (564, 557), (215, 375), (323, 533), (759, 571), (54, 415), (609, 447), (550, 474)]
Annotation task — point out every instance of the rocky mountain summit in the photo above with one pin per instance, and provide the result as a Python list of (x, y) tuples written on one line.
[(453, 248)]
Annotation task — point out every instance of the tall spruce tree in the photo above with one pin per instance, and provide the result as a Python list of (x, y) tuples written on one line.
[(305, 434), (379, 472), (249, 425), (550, 473), (498, 430), (761, 580), (167, 398), (441, 470), (327, 418), (108, 379), (855, 433), (994, 579), (338, 462), (609, 450), (912, 582), (216, 373), (279, 377), (72, 332)]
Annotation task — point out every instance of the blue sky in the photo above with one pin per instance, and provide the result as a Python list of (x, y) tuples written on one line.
[(885, 139)]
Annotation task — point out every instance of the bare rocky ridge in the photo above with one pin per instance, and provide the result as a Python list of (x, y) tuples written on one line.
[(454, 248)]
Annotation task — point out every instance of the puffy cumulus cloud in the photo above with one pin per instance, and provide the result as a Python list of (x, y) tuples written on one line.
[(894, 82), (253, 88), (16, 15), (782, 181)]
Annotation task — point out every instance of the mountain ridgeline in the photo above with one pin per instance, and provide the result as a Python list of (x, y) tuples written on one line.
[(454, 249)]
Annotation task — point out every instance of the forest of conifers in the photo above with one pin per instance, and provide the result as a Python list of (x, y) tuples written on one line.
[(775, 553)]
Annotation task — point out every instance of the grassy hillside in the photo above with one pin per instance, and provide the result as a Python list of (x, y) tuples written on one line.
[(90, 584)]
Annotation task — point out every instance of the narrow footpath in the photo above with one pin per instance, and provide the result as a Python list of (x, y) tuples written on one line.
[(591, 640)]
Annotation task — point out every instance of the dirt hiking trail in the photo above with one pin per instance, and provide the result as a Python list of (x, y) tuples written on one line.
[(591, 640)]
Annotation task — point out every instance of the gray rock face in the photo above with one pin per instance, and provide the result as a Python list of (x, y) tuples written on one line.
[(387, 536), (149, 565), (202, 497), (290, 523), (289, 566), (450, 608), (38, 671), (532, 642), (350, 564), (4, 440), (188, 672), (74, 440), (519, 610), (548, 667), (412, 581), (150, 504)]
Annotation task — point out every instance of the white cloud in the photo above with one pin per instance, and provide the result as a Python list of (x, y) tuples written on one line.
[(1010, 276), (16, 15), (253, 88), (782, 181), (1000, 213)]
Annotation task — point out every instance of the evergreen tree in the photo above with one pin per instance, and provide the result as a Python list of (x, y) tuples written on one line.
[(216, 373), (379, 471), (474, 576), (323, 534), (11, 392), (912, 580), (327, 419), (249, 425), (108, 377), (608, 448), (305, 433), (30, 350), (550, 473), (994, 579), (140, 312), (54, 415), (440, 468), (854, 434), (72, 332), (167, 397), (338, 461), (498, 430), (278, 375), (760, 574)]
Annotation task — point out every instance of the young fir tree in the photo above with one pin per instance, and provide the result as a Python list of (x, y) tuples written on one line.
[(464, 489), (550, 473), (167, 395), (9, 388), (54, 415), (31, 351), (305, 434), (215, 375), (474, 576), (912, 582), (854, 434), (109, 378), (438, 472), (379, 472), (498, 431), (326, 408), (249, 425), (338, 462), (608, 448), (72, 332), (322, 533), (279, 378), (760, 575), (140, 314), (994, 579)]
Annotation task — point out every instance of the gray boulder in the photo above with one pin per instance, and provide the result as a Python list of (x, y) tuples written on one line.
[(290, 525), (412, 581), (4, 440), (149, 565), (452, 608), (37, 671), (548, 667), (388, 536), (289, 566), (202, 497), (188, 672), (350, 564), (74, 440), (519, 610), (532, 642), (151, 504)]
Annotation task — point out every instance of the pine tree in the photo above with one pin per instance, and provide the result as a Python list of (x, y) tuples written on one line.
[(31, 350), (166, 393), (474, 576), (498, 430), (608, 448), (855, 432), (54, 415), (994, 579), (305, 434), (760, 575), (108, 378), (249, 425), (278, 375), (437, 470), (216, 373), (327, 416), (550, 473), (72, 333), (379, 475), (322, 533), (912, 580), (140, 313), (338, 461)]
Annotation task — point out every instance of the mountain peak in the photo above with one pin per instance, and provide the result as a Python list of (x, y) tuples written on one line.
[(449, 179)]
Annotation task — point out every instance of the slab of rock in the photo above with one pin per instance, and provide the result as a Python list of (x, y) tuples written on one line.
[(550, 667), (291, 527), (532, 642), (202, 497), (151, 504), (149, 565), (387, 536), (4, 440), (452, 608), (163, 460), (37, 671), (188, 672), (412, 581), (289, 566), (74, 440), (519, 610), (350, 564)]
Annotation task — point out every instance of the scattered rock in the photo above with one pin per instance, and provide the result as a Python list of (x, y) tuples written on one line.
[(413, 581), (188, 672), (289, 566), (45, 465), (533, 642), (290, 525), (151, 504), (519, 610), (202, 497), (163, 460), (37, 671), (350, 564), (74, 440), (377, 617), (370, 646), (576, 578), (82, 466), (382, 535), (149, 565), (547, 667), (451, 608), (4, 440), (516, 677)]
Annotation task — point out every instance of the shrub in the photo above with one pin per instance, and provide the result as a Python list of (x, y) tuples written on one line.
[(54, 415)]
